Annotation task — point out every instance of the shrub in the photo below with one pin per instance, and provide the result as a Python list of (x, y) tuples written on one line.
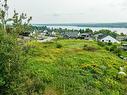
[(89, 48), (11, 65), (58, 45), (113, 48), (109, 43), (101, 44), (107, 48), (85, 45)]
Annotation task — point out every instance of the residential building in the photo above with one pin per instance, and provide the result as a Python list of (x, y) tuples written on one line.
[(109, 39)]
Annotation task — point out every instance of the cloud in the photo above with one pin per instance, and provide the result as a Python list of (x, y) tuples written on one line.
[(120, 3), (62, 11), (124, 3)]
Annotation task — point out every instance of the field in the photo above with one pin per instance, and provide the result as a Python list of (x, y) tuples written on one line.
[(76, 67)]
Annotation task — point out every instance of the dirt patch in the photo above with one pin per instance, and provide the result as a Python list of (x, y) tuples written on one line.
[(51, 91), (90, 48)]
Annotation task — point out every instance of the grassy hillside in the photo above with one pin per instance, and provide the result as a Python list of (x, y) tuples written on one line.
[(76, 67)]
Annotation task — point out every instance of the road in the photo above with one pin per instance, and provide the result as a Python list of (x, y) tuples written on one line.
[(47, 39)]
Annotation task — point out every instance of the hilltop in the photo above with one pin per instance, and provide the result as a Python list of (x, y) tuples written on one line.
[(76, 67)]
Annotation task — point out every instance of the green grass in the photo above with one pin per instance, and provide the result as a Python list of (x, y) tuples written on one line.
[(71, 70)]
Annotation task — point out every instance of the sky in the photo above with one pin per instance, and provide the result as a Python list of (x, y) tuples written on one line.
[(72, 11)]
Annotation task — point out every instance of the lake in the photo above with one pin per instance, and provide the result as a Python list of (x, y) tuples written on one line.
[(118, 30)]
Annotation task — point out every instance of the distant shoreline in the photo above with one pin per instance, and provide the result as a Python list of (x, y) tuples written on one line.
[(104, 25)]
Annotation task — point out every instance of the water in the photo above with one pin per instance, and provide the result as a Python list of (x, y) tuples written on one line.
[(118, 30)]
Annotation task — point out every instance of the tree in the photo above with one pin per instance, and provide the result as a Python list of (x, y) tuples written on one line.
[(13, 75), (106, 32), (81, 31), (11, 63), (19, 22), (89, 31), (122, 34)]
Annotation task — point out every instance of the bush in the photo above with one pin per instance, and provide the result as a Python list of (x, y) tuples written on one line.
[(113, 48), (101, 44), (85, 45), (107, 48), (11, 63), (89, 48), (58, 45), (109, 43)]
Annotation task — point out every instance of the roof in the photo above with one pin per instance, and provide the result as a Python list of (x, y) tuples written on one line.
[(124, 44), (45, 31), (71, 34), (85, 34), (99, 34), (121, 37)]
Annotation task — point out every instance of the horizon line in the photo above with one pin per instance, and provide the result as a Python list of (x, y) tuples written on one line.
[(83, 23)]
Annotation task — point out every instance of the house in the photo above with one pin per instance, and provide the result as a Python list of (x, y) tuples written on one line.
[(124, 47), (32, 33), (121, 38), (53, 34), (86, 36), (70, 34), (109, 39), (41, 36), (44, 33)]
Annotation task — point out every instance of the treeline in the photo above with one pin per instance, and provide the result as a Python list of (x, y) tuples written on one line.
[(87, 30)]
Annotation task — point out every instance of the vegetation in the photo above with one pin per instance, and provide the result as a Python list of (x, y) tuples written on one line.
[(61, 67), (14, 77), (87, 30), (58, 45), (114, 48), (107, 32), (76, 69)]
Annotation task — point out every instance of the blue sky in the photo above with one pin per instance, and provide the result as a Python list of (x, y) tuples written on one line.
[(72, 11)]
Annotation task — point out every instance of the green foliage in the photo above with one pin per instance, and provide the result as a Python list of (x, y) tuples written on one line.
[(10, 64), (106, 32), (58, 45), (89, 48), (20, 22), (14, 77), (114, 48), (70, 70), (88, 31), (30, 68), (101, 44)]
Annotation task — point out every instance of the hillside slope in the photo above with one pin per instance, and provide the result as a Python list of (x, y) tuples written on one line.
[(76, 67)]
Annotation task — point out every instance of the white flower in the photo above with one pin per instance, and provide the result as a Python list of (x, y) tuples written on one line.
[(122, 73)]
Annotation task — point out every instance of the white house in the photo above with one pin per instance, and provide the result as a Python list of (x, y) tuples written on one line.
[(32, 33), (109, 39), (53, 33), (45, 32), (79, 34)]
